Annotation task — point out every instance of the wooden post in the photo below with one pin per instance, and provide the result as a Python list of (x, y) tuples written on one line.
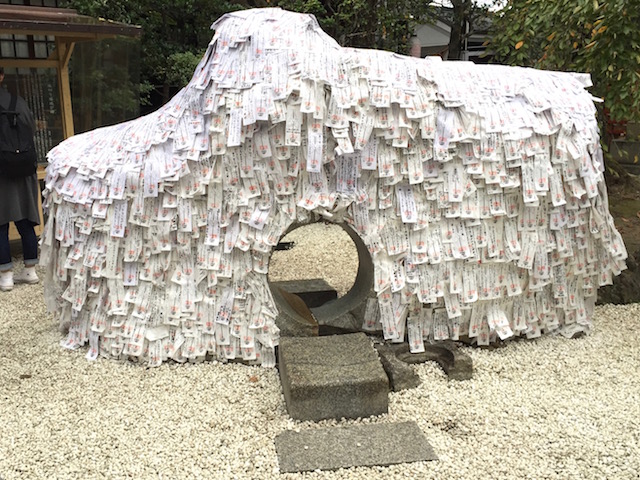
[(64, 48)]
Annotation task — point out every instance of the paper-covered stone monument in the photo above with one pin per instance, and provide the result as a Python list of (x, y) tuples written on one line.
[(478, 191)]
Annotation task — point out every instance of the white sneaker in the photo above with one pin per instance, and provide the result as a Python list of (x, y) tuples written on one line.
[(6, 280), (28, 275)]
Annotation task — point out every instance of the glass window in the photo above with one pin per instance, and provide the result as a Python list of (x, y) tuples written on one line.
[(105, 79), (40, 50), (26, 46), (22, 49), (6, 49)]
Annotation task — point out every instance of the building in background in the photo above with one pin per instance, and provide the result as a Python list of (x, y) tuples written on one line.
[(434, 38), (37, 43), (74, 71)]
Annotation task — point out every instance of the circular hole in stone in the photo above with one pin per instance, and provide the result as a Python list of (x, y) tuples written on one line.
[(337, 256), (318, 251)]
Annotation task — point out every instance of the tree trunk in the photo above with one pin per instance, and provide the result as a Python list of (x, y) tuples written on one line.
[(165, 92), (457, 29)]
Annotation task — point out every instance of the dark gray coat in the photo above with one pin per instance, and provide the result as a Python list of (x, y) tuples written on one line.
[(18, 196)]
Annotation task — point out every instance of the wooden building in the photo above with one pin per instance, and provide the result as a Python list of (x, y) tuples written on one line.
[(40, 40)]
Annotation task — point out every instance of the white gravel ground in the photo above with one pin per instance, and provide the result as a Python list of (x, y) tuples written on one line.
[(545, 409)]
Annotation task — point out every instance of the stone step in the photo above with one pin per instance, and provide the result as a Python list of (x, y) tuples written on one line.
[(332, 377), (352, 446)]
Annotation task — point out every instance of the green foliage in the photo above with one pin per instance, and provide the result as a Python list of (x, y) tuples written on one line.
[(105, 90), (173, 33), (600, 37), (366, 23), (181, 66)]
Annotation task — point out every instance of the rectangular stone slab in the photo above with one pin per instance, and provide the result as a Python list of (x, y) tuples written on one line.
[(332, 377), (352, 446)]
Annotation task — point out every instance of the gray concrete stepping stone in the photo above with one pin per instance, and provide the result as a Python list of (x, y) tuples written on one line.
[(332, 377), (352, 446)]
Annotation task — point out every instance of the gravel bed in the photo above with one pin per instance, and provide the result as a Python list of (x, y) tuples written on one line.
[(545, 409)]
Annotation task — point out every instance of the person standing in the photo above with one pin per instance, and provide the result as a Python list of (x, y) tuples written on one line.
[(18, 204)]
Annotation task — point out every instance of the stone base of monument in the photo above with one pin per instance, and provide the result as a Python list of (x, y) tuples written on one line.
[(332, 377), (401, 376), (313, 291), (455, 363), (396, 360), (294, 317), (345, 323)]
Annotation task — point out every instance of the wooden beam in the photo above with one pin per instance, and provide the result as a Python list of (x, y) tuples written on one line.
[(29, 63), (65, 55), (54, 33)]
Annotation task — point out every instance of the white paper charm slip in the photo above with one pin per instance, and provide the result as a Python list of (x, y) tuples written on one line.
[(478, 190)]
